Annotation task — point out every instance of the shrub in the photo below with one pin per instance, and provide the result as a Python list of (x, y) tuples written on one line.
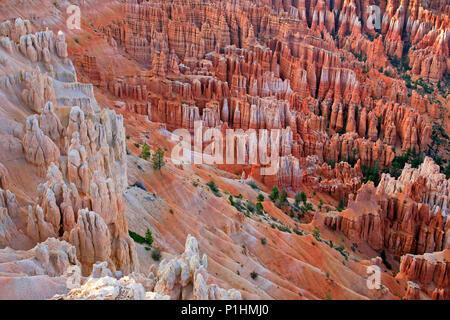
[(156, 254), (254, 275), (251, 207), (307, 207), (263, 241), (260, 197), (283, 197), (316, 233), (253, 185), (213, 186), (145, 153), (148, 239), (303, 197), (275, 194), (297, 199), (259, 208)]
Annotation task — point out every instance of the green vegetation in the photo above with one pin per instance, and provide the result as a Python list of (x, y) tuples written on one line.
[(254, 275), (213, 186), (158, 159), (275, 194), (332, 163), (371, 174), (306, 207), (283, 198), (260, 197), (145, 153), (414, 158), (316, 234), (253, 185), (263, 241), (259, 208), (341, 206), (148, 239), (328, 296), (300, 197)]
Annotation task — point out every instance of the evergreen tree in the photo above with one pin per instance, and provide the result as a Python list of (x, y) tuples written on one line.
[(283, 197), (145, 153), (275, 193), (158, 159)]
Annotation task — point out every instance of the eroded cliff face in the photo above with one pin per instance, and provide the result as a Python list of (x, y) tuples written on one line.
[(409, 218), (408, 215), (77, 158), (427, 272), (346, 98), (318, 70)]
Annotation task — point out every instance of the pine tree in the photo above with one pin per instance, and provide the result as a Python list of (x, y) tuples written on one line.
[(158, 159), (275, 193), (149, 237), (145, 154), (283, 197)]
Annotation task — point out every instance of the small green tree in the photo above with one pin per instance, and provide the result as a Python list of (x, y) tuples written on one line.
[(297, 199), (158, 159), (303, 197), (145, 153), (259, 208), (316, 233), (283, 197), (149, 237), (213, 186), (260, 198), (275, 194)]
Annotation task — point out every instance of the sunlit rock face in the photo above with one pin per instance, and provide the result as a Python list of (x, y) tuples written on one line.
[(352, 86)]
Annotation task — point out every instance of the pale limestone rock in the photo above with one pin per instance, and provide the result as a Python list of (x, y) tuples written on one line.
[(51, 125), (37, 273), (185, 277), (92, 239), (61, 46), (38, 90), (182, 277), (108, 288), (39, 149)]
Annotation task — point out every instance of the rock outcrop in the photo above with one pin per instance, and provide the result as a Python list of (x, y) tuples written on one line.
[(183, 277), (408, 215), (430, 271)]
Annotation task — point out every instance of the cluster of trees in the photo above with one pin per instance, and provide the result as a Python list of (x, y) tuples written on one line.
[(157, 158)]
